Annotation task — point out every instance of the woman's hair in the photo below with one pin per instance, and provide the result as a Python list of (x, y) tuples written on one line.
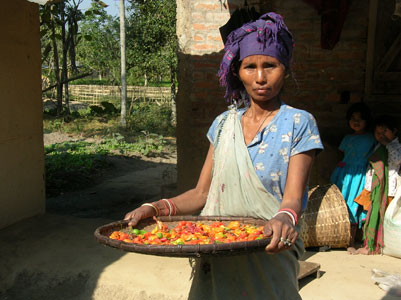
[(363, 109), (386, 121)]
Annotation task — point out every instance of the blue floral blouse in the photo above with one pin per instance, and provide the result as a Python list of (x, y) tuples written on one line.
[(291, 131)]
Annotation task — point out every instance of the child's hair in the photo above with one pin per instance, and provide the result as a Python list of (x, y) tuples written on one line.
[(363, 109), (386, 121)]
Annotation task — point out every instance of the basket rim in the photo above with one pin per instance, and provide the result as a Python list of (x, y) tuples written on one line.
[(197, 250)]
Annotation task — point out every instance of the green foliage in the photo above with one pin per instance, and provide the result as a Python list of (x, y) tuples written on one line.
[(71, 166), (100, 50), (151, 38), (106, 108), (151, 118), (149, 144), (91, 81)]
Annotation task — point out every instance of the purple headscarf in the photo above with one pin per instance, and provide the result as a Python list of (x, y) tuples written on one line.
[(266, 36)]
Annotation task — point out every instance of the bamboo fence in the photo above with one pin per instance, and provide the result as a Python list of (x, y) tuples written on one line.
[(94, 94)]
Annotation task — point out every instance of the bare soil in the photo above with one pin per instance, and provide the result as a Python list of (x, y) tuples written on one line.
[(130, 181), (55, 257)]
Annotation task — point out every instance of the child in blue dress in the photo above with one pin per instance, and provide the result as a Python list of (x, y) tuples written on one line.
[(349, 175)]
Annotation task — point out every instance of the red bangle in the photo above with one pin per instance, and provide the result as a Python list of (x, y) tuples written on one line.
[(165, 208), (291, 211), (174, 212)]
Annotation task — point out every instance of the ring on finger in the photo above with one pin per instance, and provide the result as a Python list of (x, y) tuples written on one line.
[(285, 241)]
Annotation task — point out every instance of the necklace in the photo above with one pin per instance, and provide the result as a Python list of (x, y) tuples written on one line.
[(260, 125)]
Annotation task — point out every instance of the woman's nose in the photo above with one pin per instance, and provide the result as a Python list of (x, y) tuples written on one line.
[(260, 76)]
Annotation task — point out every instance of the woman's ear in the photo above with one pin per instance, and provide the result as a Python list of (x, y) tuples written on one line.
[(287, 72)]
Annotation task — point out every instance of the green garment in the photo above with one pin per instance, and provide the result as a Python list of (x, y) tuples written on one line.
[(373, 228)]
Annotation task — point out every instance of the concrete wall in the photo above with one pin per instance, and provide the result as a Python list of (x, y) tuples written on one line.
[(320, 76), (21, 133)]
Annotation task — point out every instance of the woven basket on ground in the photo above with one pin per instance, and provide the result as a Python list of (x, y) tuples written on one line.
[(325, 221)]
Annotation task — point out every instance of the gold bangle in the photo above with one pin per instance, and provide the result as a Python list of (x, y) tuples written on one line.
[(154, 207)]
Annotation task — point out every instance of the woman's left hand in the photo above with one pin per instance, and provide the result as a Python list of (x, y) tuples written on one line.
[(282, 233)]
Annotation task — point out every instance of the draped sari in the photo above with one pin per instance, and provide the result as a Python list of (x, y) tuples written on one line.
[(236, 190)]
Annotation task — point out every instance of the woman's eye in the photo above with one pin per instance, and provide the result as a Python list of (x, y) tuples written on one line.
[(269, 66)]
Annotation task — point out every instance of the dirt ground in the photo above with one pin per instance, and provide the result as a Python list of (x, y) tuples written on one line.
[(55, 256)]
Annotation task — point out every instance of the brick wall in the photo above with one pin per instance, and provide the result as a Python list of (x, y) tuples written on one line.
[(320, 76)]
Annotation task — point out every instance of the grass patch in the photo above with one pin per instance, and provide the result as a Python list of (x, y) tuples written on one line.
[(71, 166), (74, 165)]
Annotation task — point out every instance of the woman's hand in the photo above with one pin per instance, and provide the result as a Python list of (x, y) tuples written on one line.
[(138, 214), (282, 233)]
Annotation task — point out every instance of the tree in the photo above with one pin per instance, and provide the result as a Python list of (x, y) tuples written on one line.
[(152, 39), (59, 29), (99, 50)]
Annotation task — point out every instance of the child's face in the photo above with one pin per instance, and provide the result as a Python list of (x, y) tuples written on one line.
[(384, 135), (357, 123)]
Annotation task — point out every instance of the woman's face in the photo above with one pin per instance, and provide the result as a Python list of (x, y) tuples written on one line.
[(262, 76)]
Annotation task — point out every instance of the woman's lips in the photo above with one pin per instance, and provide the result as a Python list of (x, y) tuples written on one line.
[(261, 91)]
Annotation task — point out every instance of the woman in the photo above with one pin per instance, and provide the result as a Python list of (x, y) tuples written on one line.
[(257, 165)]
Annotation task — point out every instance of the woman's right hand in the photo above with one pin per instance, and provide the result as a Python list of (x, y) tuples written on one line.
[(138, 214)]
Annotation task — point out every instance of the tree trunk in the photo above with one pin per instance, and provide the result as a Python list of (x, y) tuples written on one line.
[(173, 97), (72, 35), (123, 121), (65, 56), (59, 95), (69, 79)]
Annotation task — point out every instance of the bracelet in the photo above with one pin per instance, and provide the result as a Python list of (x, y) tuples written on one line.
[(164, 205), (174, 207), (292, 212), (169, 206), (287, 213), (153, 206)]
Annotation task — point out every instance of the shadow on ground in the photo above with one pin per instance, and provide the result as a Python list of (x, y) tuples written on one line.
[(55, 256), (131, 182)]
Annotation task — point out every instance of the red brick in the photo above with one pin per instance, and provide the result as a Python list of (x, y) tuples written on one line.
[(198, 17), (203, 27), (204, 65), (198, 26), (206, 85), (198, 76), (333, 97), (203, 47), (211, 76), (216, 38), (203, 6)]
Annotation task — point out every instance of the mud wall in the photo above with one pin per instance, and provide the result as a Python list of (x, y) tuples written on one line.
[(21, 134)]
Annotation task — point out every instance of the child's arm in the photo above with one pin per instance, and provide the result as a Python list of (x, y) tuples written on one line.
[(394, 152)]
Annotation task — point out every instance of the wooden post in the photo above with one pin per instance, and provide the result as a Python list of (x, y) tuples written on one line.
[(123, 121), (373, 4)]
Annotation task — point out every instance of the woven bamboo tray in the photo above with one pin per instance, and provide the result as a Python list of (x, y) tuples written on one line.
[(236, 248), (325, 221)]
